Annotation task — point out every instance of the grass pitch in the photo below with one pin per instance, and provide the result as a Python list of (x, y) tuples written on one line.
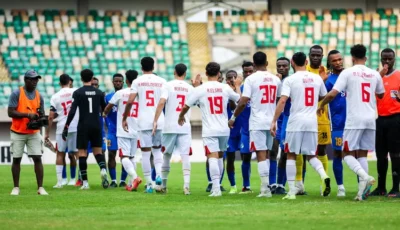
[(98, 208)]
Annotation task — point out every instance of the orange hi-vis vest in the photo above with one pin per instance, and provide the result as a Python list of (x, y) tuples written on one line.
[(388, 105), (19, 125)]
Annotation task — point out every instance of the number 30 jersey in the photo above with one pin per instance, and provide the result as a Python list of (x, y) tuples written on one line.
[(148, 88), (304, 89), (176, 93), (60, 103), (262, 88), (120, 98), (213, 97)]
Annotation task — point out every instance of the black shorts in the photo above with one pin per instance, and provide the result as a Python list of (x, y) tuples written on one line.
[(388, 134), (92, 134)]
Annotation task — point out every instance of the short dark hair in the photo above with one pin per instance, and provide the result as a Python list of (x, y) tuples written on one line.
[(358, 51), (95, 78), (131, 75), (180, 69), (147, 63), (332, 52), (64, 79), (388, 50), (299, 58), (259, 58), (118, 75), (247, 64), (230, 71), (316, 47), (212, 69), (71, 79), (87, 75), (283, 59)]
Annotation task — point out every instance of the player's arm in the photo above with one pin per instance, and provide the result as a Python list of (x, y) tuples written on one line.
[(128, 106), (191, 101), (71, 114), (51, 119), (380, 89), (182, 120), (107, 109), (232, 105), (159, 110), (323, 73), (278, 111)]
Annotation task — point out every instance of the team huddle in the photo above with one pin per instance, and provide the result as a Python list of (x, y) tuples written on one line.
[(300, 114)]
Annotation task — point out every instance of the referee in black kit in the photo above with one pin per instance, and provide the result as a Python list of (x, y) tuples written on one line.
[(90, 102)]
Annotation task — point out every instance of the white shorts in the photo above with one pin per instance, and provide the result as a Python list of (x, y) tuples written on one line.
[(146, 140), (304, 143), (260, 140), (358, 139), (127, 146), (62, 145), (215, 144), (176, 143)]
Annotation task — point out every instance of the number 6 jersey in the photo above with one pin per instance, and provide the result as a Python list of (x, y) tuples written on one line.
[(176, 92), (213, 97), (60, 103), (304, 89), (262, 88), (148, 88)]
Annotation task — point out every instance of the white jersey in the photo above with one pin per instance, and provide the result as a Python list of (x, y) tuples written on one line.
[(148, 88), (212, 98), (304, 89), (262, 88), (360, 84), (120, 98), (176, 93), (61, 104)]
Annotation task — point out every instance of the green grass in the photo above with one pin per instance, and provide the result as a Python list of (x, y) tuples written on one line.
[(118, 209)]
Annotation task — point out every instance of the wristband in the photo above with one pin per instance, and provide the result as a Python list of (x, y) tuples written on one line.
[(233, 118)]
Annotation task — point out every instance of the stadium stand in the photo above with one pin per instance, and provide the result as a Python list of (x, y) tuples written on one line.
[(55, 42)]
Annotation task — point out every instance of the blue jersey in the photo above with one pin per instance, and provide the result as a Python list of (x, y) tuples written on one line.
[(245, 117), (235, 132), (286, 110), (337, 107), (111, 119)]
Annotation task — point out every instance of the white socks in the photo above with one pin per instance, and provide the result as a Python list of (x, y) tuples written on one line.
[(221, 166), (214, 173), (355, 166), (263, 171), (186, 170), (291, 175), (129, 168), (158, 160), (317, 165), (59, 169), (166, 166), (146, 166), (364, 163)]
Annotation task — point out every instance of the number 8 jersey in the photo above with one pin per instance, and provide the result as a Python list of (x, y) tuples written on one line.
[(60, 103), (304, 89), (148, 88), (176, 93)]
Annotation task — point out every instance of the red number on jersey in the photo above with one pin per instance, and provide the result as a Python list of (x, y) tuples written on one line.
[(216, 104), (309, 96), (150, 98), (365, 94), (134, 109), (65, 105), (269, 94), (181, 103)]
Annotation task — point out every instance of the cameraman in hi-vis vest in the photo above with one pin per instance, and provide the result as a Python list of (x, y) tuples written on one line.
[(24, 108)]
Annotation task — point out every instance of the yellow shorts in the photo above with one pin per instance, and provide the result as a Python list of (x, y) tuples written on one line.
[(324, 135)]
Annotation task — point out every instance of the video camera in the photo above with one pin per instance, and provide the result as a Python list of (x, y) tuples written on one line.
[(43, 120)]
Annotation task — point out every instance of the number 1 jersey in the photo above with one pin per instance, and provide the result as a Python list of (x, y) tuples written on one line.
[(60, 103), (176, 93), (148, 88), (304, 89), (213, 97)]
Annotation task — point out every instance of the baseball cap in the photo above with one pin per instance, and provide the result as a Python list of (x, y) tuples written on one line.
[(32, 74)]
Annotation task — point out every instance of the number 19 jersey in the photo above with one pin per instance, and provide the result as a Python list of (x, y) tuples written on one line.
[(360, 84), (304, 89), (61, 104), (213, 97), (262, 88), (176, 93), (148, 88)]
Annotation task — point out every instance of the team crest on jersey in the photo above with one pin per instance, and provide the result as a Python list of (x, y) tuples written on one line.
[(343, 94), (114, 109), (241, 145)]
